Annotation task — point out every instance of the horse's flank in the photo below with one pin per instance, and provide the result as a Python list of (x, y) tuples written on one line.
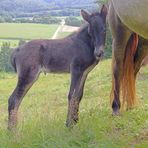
[(134, 14)]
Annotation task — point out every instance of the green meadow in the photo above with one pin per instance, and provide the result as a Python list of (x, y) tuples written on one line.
[(12, 32), (42, 114)]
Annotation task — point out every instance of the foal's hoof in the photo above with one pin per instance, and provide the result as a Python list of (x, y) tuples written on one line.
[(71, 123), (12, 125), (116, 113)]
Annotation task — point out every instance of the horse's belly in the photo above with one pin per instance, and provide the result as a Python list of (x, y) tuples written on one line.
[(54, 70), (134, 14), (56, 66)]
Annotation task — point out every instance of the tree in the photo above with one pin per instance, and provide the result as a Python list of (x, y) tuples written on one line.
[(2, 20), (45, 19), (5, 52), (108, 44), (73, 21)]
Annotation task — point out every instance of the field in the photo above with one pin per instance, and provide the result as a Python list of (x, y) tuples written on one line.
[(62, 34), (13, 32), (43, 112)]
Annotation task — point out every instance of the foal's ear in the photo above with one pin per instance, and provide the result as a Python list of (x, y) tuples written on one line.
[(104, 11), (85, 15)]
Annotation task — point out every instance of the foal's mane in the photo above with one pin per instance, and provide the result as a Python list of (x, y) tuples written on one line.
[(82, 29)]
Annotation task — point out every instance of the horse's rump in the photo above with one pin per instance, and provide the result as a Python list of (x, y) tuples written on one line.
[(133, 13)]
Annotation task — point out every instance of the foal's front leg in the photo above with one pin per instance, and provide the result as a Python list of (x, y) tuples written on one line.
[(78, 78), (74, 97)]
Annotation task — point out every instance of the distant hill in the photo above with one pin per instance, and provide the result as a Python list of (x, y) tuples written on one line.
[(71, 3), (39, 5), (23, 5)]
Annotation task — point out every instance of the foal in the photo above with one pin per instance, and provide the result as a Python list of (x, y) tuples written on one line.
[(78, 54)]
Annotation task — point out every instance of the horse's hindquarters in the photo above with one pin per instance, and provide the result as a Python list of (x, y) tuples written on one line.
[(134, 14)]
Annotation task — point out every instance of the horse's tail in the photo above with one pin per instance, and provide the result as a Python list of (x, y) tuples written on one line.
[(128, 87), (127, 81)]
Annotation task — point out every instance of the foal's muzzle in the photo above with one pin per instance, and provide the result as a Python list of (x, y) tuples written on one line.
[(99, 53)]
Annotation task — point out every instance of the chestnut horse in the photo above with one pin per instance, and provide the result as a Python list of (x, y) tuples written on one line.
[(129, 49)]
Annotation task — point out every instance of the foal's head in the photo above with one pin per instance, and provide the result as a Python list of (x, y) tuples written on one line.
[(97, 29)]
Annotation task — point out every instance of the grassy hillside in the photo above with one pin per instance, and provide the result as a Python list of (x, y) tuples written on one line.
[(12, 32), (27, 7), (26, 31), (43, 112), (71, 3), (23, 6)]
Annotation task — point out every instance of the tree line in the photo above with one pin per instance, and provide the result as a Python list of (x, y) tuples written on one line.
[(42, 19), (5, 56)]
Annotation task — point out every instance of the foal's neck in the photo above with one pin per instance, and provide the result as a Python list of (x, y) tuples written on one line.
[(82, 34)]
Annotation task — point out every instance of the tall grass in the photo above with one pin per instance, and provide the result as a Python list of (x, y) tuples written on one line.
[(43, 111)]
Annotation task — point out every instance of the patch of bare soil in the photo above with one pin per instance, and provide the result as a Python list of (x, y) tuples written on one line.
[(69, 28)]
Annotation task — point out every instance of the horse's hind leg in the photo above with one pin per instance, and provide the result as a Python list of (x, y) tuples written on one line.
[(26, 79), (75, 94), (121, 36)]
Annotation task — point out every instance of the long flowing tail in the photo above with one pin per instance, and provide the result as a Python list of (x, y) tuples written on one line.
[(128, 87), (12, 59)]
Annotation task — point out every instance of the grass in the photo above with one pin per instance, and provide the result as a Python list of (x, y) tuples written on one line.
[(13, 43), (43, 111), (15, 31), (12, 32)]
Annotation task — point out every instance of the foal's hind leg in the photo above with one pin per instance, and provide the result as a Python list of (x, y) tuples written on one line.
[(25, 80), (78, 78)]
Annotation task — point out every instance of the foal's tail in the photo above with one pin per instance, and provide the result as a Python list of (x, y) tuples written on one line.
[(12, 60), (128, 87)]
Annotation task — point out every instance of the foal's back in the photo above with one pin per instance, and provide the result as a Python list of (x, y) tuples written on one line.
[(53, 55)]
